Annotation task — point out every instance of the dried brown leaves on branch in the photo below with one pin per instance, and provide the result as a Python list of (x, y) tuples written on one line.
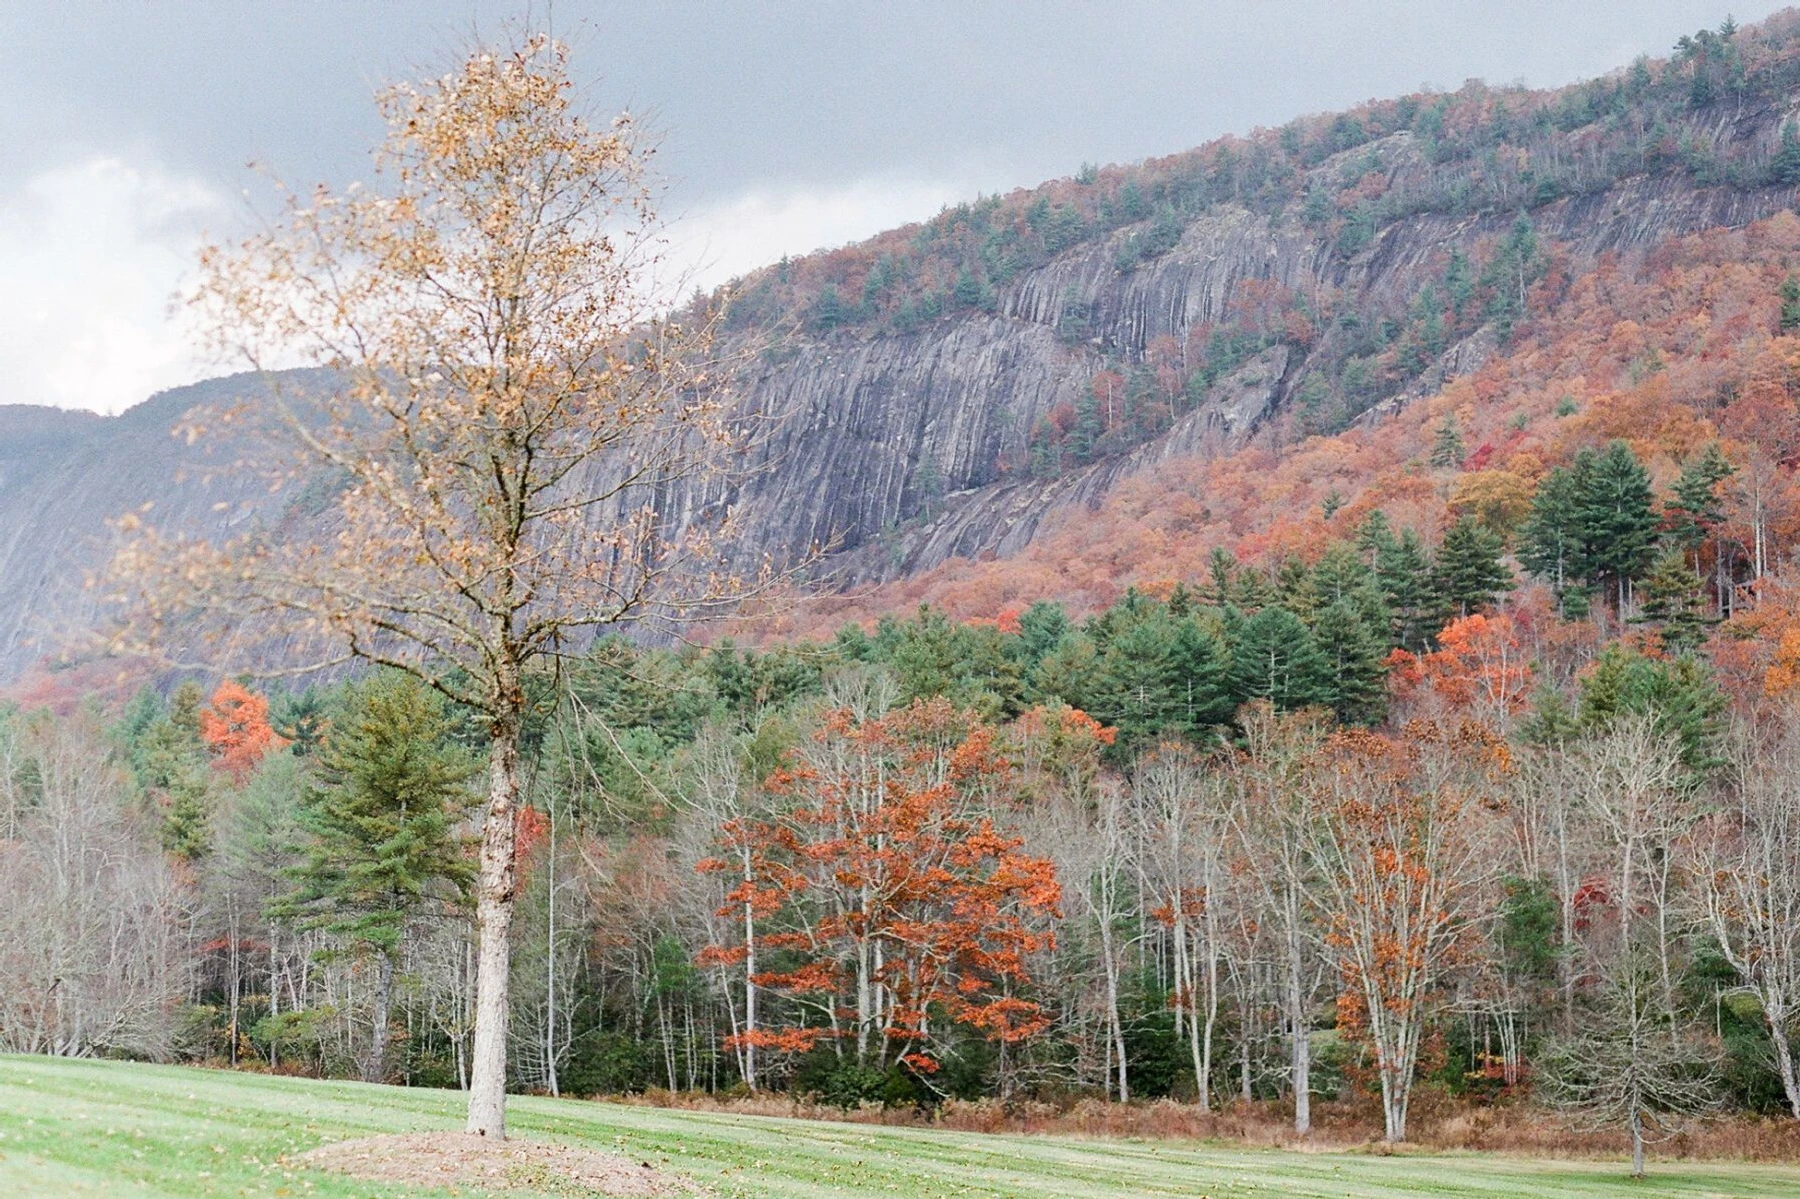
[(508, 448), (504, 418)]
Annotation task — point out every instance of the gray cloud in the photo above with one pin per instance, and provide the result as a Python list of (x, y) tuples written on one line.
[(822, 121)]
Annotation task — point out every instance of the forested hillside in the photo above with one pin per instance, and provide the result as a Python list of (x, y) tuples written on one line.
[(953, 389), (1324, 629)]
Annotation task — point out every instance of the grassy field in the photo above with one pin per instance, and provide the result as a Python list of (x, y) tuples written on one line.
[(131, 1132)]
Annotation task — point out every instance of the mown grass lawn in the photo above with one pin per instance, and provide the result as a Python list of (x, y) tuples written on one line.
[(133, 1131)]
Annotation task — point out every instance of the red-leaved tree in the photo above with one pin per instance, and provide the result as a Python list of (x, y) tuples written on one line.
[(880, 895)]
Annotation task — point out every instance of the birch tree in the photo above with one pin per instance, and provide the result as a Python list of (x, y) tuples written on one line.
[(498, 432), (1275, 811), (1186, 836), (1749, 856)]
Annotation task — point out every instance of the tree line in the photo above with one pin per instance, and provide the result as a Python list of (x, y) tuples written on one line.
[(1379, 820)]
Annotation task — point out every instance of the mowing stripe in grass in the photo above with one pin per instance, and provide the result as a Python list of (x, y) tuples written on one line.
[(160, 1132)]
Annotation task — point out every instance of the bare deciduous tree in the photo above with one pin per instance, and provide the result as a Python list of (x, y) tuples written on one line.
[(1183, 807), (1276, 814), (1749, 857), (1402, 854), (93, 947), (1634, 1063), (502, 424), (1630, 776)]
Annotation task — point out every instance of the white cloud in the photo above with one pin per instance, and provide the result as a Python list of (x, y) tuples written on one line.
[(90, 255), (717, 242)]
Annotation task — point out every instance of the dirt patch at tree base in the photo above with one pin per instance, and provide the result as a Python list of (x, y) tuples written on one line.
[(459, 1159)]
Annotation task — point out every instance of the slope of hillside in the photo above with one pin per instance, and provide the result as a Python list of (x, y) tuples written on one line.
[(951, 391), (1670, 348)]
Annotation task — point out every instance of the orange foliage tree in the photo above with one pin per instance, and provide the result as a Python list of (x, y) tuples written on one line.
[(1478, 664), (897, 906), (235, 728)]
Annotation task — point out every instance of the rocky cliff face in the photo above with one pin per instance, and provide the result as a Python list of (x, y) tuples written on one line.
[(867, 419), (65, 476), (899, 450)]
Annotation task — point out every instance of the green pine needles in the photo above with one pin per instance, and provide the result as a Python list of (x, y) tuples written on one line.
[(384, 840)]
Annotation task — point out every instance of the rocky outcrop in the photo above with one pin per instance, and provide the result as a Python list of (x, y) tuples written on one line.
[(896, 450)]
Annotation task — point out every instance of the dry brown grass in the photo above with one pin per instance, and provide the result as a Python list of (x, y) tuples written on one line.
[(454, 1160), (1438, 1123)]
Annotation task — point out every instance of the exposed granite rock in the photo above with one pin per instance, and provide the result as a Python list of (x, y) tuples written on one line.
[(856, 416)]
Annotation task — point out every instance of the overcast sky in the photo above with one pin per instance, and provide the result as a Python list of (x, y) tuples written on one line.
[(127, 125)]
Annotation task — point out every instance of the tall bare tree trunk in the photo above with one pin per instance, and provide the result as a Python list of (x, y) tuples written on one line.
[(550, 1080), (1637, 1141), (1301, 1061), (1776, 1013), (274, 990), (495, 888), (1208, 1029), (236, 972), (749, 991), (1118, 1026), (376, 1069)]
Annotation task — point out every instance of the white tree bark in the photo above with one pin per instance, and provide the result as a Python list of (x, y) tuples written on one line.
[(496, 887)]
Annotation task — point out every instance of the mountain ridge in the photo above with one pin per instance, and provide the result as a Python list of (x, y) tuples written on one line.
[(1006, 374)]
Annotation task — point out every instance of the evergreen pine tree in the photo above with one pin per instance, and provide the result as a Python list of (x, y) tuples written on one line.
[(1552, 721), (1223, 569), (1375, 538), (1274, 657), (1784, 169), (1066, 673), (1695, 508), (169, 763), (928, 485), (1202, 677), (382, 830), (1617, 521), (1429, 313), (1341, 576), (1041, 629), (931, 656), (1251, 589), (1135, 684), (1550, 541), (1672, 602), (1459, 286), (1082, 440), (1468, 572), (1353, 656), (299, 719), (967, 292), (1790, 297), (1517, 264), (1404, 578), (1447, 450), (1696, 513), (1294, 588), (1046, 450), (1340, 573), (1677, 693), (829, 311)]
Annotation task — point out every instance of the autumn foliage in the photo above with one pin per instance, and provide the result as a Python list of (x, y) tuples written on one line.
[(900, 903), (1479, 663), (235, 728)]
